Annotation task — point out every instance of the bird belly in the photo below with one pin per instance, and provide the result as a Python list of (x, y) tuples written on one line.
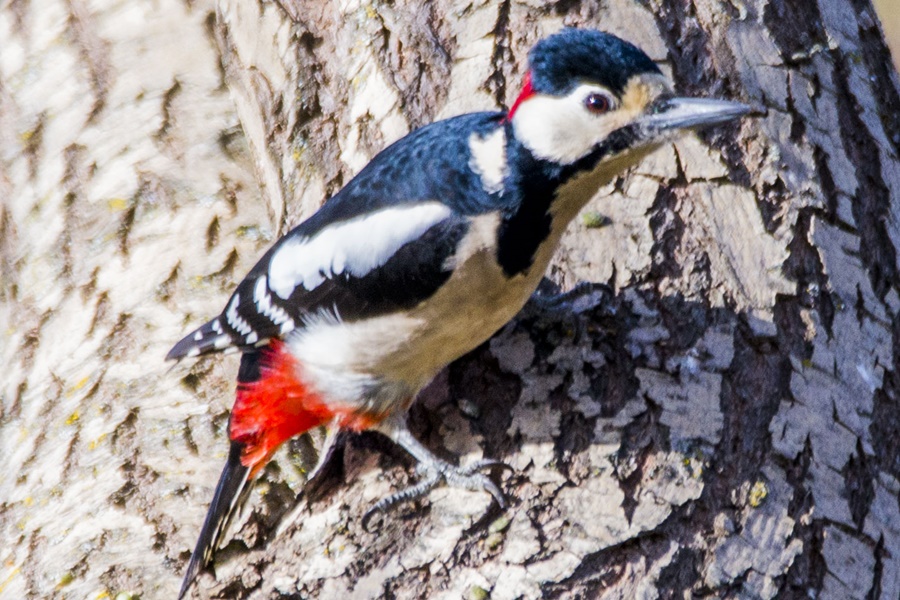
[(380, 364)]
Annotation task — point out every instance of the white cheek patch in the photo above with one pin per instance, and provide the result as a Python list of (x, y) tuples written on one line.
[(561, 129), (356, 247), (489, 159)]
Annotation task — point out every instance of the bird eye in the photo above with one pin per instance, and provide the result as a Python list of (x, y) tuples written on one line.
[(597, 103)]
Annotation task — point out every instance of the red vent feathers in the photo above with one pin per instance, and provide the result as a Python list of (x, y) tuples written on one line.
[(280, 405)]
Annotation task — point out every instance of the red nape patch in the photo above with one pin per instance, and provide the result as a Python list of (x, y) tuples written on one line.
[(526, 93), (280, 405)]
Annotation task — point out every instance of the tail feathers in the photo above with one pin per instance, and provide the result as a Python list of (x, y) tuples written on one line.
[(211, 337), (231, 492)]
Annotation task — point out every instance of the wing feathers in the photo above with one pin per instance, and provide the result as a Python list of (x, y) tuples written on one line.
[(389, 260), (210, 337), (353, 247), (380, 244)]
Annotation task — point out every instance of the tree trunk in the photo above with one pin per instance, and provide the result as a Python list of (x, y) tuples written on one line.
[(719, 415)]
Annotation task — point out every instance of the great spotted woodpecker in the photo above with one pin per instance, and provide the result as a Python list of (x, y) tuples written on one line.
[(429, 250)]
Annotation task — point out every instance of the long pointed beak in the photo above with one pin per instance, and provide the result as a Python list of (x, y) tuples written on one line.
[(687, 113), (231, 492)]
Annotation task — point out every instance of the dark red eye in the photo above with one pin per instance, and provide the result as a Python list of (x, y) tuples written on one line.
[(597, 103)]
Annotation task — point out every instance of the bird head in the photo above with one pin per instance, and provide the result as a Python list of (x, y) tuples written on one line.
[(592, 94)]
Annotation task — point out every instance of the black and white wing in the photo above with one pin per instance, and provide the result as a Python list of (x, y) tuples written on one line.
[(352, 269), (382, 244)]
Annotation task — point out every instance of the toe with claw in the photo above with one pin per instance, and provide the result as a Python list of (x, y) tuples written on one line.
[(435, 471)]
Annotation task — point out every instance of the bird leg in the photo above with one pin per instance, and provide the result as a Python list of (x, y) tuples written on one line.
[(314, 480), (434, 470), (334, 437)]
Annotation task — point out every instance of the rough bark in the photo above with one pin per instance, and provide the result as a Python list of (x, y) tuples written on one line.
[(718, 416)]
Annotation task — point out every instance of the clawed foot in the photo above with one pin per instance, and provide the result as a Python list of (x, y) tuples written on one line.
[(435, 471)]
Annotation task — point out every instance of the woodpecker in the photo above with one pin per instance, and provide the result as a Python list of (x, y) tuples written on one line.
[(435, 245)]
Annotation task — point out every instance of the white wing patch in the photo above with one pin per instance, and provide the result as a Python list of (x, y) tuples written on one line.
[(357, 246), (489, 159), (236, 320), (264, 306)]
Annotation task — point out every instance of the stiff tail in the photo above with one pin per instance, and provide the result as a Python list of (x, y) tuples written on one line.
[(231, 493), (273, 405)]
